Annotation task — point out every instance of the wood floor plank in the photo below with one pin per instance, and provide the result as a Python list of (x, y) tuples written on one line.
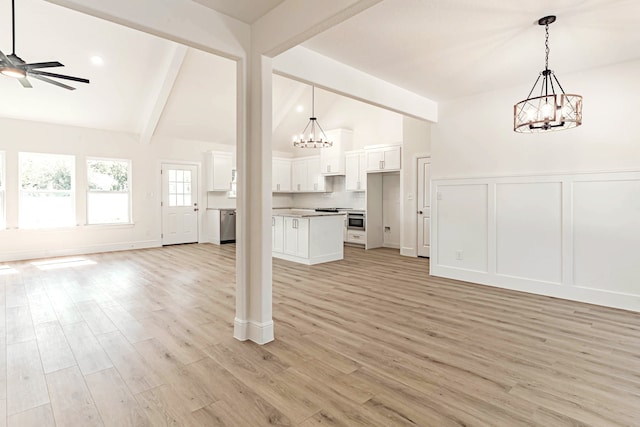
[(55, 352), (116, 405), (19, 324), (133, 369), (26, 386), (71, 401), (90, 356), (41, 416)]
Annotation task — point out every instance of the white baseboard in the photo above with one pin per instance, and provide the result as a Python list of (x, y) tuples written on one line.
[(557, 290), (405, 251), (337, 256), (260, 333), (80, 250)]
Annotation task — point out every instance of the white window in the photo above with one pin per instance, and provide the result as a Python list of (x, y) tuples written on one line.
[(47, 198), (109, 191), (3, 218)]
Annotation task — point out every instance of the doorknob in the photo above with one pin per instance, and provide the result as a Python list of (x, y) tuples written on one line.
[(196, 209), (420, 212)]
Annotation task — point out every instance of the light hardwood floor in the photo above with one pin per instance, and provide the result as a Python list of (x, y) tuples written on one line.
[(145, 338)]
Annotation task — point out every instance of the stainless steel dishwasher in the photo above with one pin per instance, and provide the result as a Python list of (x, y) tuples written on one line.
[(227, 225)]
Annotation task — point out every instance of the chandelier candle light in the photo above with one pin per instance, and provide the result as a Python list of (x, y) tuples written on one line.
[(317, 137), (550, 110)]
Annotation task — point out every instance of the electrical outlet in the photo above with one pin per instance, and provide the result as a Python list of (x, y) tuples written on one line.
[(459, 255)]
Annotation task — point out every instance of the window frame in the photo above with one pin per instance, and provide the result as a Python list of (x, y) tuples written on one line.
[(129, 191), (72, 192)]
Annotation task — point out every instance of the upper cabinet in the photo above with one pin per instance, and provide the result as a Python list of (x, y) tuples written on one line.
[(383, 159), (332, 160), (219, 171), (355, 171), (306, 176), (281, 175)]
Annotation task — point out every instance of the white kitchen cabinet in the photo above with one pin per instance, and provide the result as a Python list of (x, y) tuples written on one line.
[(358, 237), (315, 178), (332, 160), (383, 159), (306, 176), (219, 166), (356, 171), (277, 233), (296, 237), (307, 237), (299, 175), (281, 175)]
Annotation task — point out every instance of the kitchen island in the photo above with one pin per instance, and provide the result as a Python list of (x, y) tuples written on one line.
[(306, 236)]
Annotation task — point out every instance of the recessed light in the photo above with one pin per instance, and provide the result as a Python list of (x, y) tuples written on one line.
[(97, 60), (299, 108)]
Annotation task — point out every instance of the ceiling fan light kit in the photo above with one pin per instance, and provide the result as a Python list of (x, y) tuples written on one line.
[(550, 110), (15, 67), (317, 138)]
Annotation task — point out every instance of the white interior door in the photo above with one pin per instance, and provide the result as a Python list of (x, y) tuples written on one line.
[(179, 204), (424, 207)]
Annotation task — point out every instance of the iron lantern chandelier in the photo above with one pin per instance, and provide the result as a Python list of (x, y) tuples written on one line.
[(316, 138), (550, 110)]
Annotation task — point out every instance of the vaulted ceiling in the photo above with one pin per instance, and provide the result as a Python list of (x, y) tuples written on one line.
[(441, 49)]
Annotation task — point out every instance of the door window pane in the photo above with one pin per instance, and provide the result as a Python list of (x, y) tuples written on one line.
[(179, 187)]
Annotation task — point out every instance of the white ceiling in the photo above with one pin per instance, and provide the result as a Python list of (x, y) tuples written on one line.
[(119, 90), (444, 49), (441, 49)]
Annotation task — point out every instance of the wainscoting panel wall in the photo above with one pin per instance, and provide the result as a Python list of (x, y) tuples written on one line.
[(462, 243), (569, 236)]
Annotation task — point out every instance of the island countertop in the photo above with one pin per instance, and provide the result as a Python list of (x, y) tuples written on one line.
[(303, 213)]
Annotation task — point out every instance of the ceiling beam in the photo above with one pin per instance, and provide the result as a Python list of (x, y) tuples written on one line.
[(310, 67), (161, 92), (293, 22)]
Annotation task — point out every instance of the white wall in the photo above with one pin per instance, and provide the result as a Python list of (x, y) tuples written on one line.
[(526, 211), (475, 137), (82, 142), (391, 210), (416, 137)]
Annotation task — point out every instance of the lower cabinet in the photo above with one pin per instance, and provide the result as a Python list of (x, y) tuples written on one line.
[(277, 234), (356, 236), (296, 237), (307, 240)]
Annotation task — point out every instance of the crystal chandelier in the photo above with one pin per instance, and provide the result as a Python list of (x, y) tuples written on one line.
[(316, 137), (550, 110)]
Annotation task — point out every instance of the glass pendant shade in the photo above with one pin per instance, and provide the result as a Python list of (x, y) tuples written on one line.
[(316, 137), (552, 109)]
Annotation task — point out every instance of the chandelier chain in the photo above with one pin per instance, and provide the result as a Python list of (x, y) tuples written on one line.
[(546, 45)]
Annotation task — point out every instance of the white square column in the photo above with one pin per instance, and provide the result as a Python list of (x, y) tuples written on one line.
[(253, 319)]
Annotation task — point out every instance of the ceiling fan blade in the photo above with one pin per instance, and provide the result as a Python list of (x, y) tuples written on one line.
[(53, 82), (5, 59), (25, 83), (58, 76), (42, 65)]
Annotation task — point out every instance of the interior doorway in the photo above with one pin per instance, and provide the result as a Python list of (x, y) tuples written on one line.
[(424, 207), (179, 203)]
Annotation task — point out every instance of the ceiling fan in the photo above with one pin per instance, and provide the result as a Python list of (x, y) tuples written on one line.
[(14, 66)]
